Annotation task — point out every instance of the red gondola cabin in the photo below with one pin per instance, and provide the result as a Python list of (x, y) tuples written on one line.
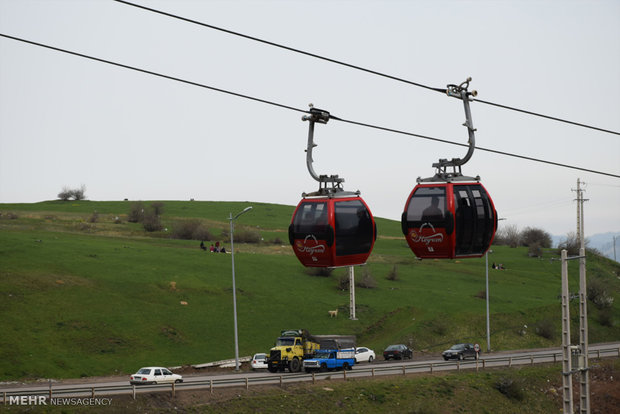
[(449, 220), (332, 231)]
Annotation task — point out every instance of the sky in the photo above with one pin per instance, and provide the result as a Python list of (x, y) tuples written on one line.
[(66, 121)]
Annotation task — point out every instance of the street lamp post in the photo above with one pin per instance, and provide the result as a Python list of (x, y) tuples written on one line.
[(232, 250)]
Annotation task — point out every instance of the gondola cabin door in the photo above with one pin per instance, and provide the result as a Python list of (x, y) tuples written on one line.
[(449, 220), (332, 232)]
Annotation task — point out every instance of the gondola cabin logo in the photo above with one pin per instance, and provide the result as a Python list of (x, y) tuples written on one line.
[(311, 246), (426, 234)]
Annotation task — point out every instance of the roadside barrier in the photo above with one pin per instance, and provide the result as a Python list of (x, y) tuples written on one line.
[(91, 391)]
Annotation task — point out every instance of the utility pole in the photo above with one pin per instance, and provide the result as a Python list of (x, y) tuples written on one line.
[(352, 293), (584, 380)]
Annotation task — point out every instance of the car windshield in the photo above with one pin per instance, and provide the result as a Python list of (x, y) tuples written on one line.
[(260, 356), (458, 347), (285, 342), (144, 371), (322, 355)]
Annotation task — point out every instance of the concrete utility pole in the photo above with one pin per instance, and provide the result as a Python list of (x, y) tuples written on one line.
[(352, 293), (584, 380), (567, 372)]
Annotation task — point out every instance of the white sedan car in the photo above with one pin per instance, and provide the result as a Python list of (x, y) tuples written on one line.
[(259, 361), (154, 375), (363, 354)]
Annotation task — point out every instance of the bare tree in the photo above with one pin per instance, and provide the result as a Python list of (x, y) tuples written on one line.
[(76, 193)]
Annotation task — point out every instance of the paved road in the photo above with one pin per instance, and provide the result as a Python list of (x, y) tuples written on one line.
[(83, 387)]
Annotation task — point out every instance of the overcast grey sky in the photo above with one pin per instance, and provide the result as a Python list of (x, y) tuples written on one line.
[(67, 121)]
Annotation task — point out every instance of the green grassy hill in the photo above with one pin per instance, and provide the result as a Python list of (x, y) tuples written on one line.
[(85, 295)]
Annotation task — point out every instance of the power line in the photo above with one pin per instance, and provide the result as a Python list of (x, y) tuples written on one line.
[(279, 105), (360, 68)]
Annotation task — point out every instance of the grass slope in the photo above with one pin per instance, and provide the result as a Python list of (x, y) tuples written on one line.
[(82, 299)]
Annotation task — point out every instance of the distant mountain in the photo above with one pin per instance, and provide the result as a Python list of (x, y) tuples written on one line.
[(603, 242)]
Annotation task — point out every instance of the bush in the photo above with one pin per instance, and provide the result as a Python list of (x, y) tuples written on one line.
[(151, 222), (367, 281), (392, 274), (94, 217), (535, 250), (510, 387), (571, 244), (191, 230), (597, 294), (320, 271), (343, 282), (244, 235), (158, 208), (136, 212), (545, 328), (507, 236), (606, 318), (533, 236), (481, 294)]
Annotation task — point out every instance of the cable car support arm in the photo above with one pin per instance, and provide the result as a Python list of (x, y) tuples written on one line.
[(320, 116), (442, 174)]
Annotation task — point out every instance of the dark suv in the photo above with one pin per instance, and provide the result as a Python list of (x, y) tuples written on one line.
[(460, 351), (397, 352)]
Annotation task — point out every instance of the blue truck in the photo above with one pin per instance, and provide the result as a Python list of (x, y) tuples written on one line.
[(330, 359)]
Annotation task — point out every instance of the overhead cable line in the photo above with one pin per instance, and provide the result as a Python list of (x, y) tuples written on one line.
[(292, 108), (349, 65)]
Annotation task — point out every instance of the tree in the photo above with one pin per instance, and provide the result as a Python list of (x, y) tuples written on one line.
[(532, 236), (76, 193), (508, 235), (571, 244)]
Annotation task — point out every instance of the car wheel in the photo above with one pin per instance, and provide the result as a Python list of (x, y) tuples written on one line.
[(370, 359), (345, 366), (323, 367), (445, 358), (178, 381), (460, 357)]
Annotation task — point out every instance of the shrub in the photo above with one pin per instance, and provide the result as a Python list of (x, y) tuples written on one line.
[(151, 222), (507, 235), (367, 281), (510, 387), (535, 250), (597, 294), (606, 318), (158, 208), (571, 244), (94, 217), (392, 274), (247, 236), (320, 271), (545, 328), (533, 236), (189, 230), (343, 282), (136, 212)]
